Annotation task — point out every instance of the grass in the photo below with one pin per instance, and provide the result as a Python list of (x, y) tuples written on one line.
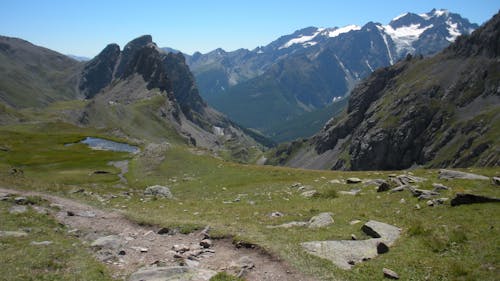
[(64, 259), (437, 243)]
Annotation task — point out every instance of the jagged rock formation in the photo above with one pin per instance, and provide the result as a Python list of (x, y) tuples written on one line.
[(440, 111)]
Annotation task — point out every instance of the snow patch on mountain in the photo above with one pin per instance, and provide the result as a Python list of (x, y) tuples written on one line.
[(452, 30), (398, 17), (345, 29), (404, 36), (305, 40)]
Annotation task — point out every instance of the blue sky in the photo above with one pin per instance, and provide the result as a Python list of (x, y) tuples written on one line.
[(85, 27)]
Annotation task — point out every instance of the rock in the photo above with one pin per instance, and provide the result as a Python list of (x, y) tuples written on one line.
[(111, 242), (335, 181), (417, 206), (466, 198), (180, 248), (18, 209), (353, 192), (390, 274), (430, 203), (122, 253), (243, 262), (290, 224), (86, 214), (402, 201), (158, 190), (495, 180), (163, 231), (375, 182), (21, 200), (450, 174), (276, 215), (353, 222), (40, 210), (41, 243), (206, 243), (401, 188), (439, 187), (441, 200), (388, 233), (70, 213), (15, 234), (383, 187), (321, 220), (382, 248), (407, 179), (191, 263), (353, 180), (177, 273), (353, 237), (309, 193), (56, 206)]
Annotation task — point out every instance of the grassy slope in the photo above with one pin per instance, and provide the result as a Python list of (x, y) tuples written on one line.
[(441, 243)]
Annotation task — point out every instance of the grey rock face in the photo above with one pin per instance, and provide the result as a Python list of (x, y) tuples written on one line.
[(177, 273), (158, 190)]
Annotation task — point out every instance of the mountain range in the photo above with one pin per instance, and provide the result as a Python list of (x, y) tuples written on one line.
[(274, 85), (441, 111)]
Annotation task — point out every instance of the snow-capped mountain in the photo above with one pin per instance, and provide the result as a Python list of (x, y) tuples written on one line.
[(308, 69)]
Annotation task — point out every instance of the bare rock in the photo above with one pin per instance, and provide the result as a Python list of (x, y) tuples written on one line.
[(18, 209), (321, 220), (439, 187), (276, 215), (466, 198), (450, 174), (382, 248), (354, 191), (178, 273), (290, 224), (388, 233), (309, 193), (41, 243), (159, 191), (111, 242), (21, 200), (206, 243), (384, 186), (495, 180), (353, 180), (15, 234), (390, 273)]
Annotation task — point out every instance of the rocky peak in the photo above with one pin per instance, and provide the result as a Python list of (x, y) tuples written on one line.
[(129, 51)]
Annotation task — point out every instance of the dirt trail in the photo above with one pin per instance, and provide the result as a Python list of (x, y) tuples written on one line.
[(143, 246)]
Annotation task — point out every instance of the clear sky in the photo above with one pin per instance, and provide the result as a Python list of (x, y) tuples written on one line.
[(85, 27)]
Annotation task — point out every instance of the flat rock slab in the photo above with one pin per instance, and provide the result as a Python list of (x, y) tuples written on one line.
[(15, 234), (321, 220), (450, 174), (346, 253), (176, 273)]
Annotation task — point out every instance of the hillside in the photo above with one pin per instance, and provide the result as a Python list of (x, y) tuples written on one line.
[(304, 71), (441, 111)]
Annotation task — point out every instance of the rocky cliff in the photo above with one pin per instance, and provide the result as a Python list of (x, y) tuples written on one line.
[(439, 111)]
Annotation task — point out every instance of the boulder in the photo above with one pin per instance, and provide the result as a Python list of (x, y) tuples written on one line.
[(450, 174), (309, 193), (21, 200), (466, 198), (177, 273), (390, 273), (159, 191), (384, 186), (111, 242), (439, 187), (382, 248), (353, 180), (321, 220), (206, 243), (495, 180), (18, 209), (388, 233)]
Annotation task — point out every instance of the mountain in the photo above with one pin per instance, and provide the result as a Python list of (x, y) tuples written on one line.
[(306, 70), (32, 76), (78, 58), (441, 111), (140, 93)]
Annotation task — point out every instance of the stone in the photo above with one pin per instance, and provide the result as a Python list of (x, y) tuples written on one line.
[(309, 193), (290, 224), (18, 209), (353, 192), (276, 215), (388, 233), (390, 273), (402, 201), (159, 191), (15, 234), (163, 231), (441, 200), (466, 198), (353, 180), (354, 237), (243, 262), (177, 273), (180, 248), (335, 181), (430, 203), (70, 213), (206, 243), (419, 192), (21, 200), (321, 220), (41, 243), (384, 186), (439, 187), (417, 206), (495, 180), (110, 242), (382, 248), (56, 206), (407, 179), (353, 222), (451, 174)]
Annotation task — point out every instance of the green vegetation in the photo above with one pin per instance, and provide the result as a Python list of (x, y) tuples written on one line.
[(439, 243), (222, 276)]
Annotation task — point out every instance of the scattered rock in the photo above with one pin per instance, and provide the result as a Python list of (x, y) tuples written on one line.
[(122, 253), (401, 188), (353, 192), (276, 215), (158, 190), (86, 214), (402, 201), (21, 200), (309, 193), (450, 174), (353, 222), (321, 220), (353, 180), (417, 206), (111, 242), (407, 179), (206, 243), (177, 273), (466, 198), (390, 273), (495, 180), (163, 231), (430, 203), (289, 224), (353, 237), (384, 186), (15, 234), (56, 206), (180, 248), (382, 248), (388, 233), (422, 192), (439, 187), (70, 213), (441, 201), (41, 243), (18, 209), (335, 181)]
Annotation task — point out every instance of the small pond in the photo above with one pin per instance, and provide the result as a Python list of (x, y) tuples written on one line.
[(102, 144)]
